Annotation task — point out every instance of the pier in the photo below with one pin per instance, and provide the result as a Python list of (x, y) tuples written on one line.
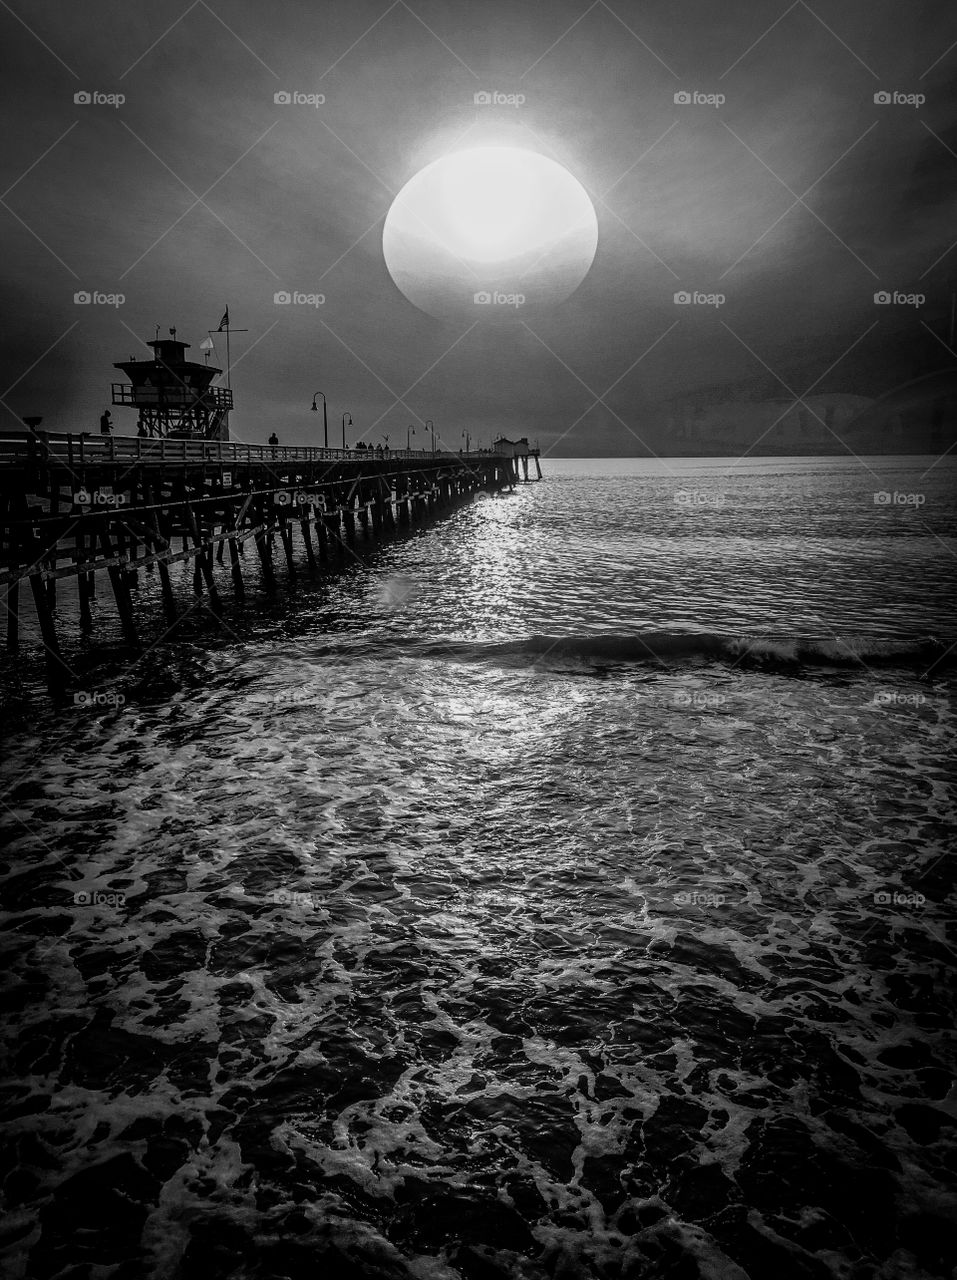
[(77, 505)]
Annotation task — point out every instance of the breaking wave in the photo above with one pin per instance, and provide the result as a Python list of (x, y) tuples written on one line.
[(668, 647)]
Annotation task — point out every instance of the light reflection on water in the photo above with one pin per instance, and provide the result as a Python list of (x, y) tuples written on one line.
[(435, 960), (781, 546)]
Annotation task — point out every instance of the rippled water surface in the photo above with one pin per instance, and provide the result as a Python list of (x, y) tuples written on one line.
[(385, 936)]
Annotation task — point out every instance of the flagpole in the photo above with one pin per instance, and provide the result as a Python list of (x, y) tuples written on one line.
[(224, 324), (228, 386)]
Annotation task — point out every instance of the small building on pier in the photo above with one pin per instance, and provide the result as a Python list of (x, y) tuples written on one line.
[(512, 448), (175, 396)]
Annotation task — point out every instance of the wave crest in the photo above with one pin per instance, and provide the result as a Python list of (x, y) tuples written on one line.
[(670, 648)]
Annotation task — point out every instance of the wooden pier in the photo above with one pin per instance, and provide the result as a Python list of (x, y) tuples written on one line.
[(72, 506)]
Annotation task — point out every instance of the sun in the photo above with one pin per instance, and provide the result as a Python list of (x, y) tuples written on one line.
[(500, 228), (491, 204)]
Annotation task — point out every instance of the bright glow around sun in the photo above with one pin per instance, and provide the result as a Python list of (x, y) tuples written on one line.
[(501, 221)]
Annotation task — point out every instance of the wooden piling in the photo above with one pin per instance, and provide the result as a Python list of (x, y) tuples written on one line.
[(304, 525), (204, 559), (322, 534), (349, 519), (285, 537), (13, 613), (364, 519), (56, 669), (121, 591), (262, 546), (197, 567), (83, 582), (235, 568), (132, 545), (50, 560), (161, 545)]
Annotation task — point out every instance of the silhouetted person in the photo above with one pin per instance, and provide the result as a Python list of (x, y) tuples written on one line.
[(106, 426), (141, 429), (274, 439)]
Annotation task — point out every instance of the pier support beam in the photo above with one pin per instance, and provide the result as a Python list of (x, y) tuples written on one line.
[(57, 671), (262, 546), (83, 582), (121, 590), (204, 560), (13, 613), (285, 537), (305, 528), (161, 545)]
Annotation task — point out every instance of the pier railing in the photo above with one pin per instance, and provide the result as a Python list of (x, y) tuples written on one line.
[(83, 449)]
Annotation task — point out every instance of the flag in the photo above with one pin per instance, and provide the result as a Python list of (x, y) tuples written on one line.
[(224, 323), (207, 345)]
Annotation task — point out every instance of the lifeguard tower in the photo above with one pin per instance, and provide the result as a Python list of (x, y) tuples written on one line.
[(174, 395)]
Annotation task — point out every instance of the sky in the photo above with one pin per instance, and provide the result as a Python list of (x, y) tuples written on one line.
[(782, 188)]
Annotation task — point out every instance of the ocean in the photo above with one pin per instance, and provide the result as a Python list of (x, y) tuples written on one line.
[(560, 890)]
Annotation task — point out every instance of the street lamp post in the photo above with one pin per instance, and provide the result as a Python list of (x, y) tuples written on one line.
[(325, 421), (468, 439), (409, 433), (430, 425), (348, 415)]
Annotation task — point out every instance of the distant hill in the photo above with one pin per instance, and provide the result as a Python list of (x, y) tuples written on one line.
[(920, 417)]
